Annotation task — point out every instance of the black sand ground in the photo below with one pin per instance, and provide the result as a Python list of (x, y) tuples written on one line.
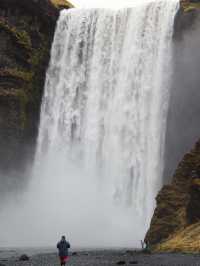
[(103, 258)]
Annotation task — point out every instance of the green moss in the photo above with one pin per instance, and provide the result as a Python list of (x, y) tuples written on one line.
[(189, 6), (30, 93), (23, 101), (21, 37), (37, 55), (18, 74), (61, 3), (38, 62)]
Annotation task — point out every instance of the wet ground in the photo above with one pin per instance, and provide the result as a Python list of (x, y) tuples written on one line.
[(101, 258)]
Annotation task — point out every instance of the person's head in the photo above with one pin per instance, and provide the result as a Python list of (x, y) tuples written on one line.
[(63, 238)]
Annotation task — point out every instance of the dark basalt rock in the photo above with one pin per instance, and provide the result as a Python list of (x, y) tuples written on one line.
[(186, 17), (24, 257), (26, 33), (74, 253), (121, 262), (184, 21), (193, 208)]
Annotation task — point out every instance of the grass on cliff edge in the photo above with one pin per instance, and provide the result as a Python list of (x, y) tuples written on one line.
[(189, 6), (61, 3), (187, 240)]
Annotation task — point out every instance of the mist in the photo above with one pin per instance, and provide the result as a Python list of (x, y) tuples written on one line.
[(55, 204), (183, 127)]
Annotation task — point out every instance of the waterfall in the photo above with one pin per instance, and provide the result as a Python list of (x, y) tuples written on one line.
[(103, 119)]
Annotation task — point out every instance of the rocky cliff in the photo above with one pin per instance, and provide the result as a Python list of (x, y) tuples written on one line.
[(26, 33), (176, 222), (178, 203)]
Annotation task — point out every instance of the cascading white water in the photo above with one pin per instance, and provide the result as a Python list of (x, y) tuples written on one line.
[(103, 119)]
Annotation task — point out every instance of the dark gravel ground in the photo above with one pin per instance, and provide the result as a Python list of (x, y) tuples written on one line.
[(106, 258)]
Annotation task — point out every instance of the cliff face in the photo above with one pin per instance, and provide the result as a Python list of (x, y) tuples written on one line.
[(26, 33), (175, 225), (178, 203)]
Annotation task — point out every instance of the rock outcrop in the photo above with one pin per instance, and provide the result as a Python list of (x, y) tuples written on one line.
[(176, 203), (26, 33), (187, 15), (175, 226)]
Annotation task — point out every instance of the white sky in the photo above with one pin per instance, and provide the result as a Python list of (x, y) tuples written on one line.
[(106, 3)]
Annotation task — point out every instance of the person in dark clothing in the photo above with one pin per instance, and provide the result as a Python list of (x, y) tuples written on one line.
[(63, 247)]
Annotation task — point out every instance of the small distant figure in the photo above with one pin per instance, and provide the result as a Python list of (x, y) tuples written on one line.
[(142, 244), (145, 247), (63, 247)]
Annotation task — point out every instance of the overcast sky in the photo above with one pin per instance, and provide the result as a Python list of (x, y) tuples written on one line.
[(106, 3)]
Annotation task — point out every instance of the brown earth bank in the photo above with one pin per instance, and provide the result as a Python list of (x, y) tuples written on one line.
[(26, 33), (176, 222), (175, 226), (107, 258)]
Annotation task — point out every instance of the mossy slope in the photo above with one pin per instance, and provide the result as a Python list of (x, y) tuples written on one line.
[(190, 5), (172, 213), (186, 240)]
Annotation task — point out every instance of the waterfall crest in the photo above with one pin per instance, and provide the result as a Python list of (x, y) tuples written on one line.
[(103, 117)]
